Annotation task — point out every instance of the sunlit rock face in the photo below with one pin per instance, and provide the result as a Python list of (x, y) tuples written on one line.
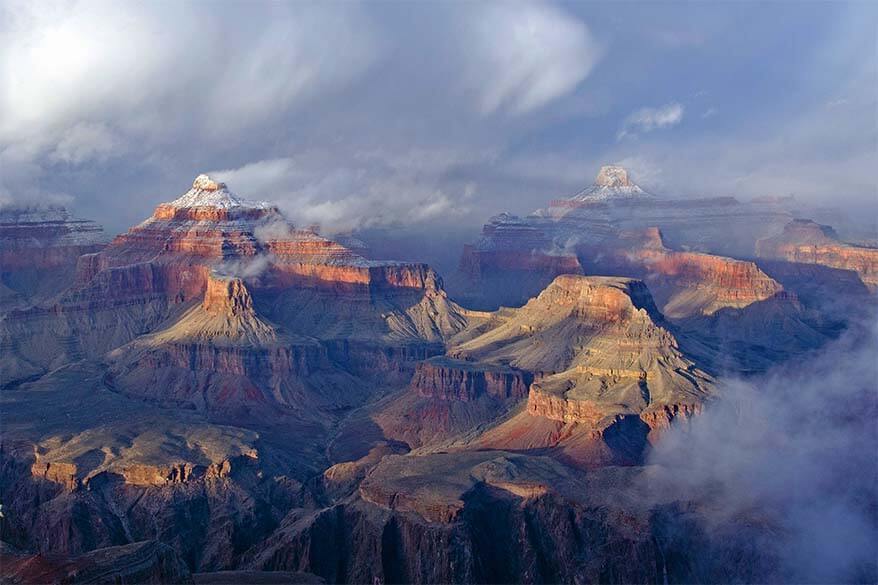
[(211, 226), (683, 283), (807, 242), (307, 283), (600, 348), (590, 363)]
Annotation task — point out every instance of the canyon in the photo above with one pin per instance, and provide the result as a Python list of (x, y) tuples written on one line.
[(217, 395)]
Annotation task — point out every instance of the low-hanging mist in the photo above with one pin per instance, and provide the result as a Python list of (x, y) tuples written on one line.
[(787, 463)]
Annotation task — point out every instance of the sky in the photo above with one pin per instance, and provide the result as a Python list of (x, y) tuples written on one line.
[(435, 115)]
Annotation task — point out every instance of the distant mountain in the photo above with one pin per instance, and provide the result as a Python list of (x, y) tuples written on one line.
[(39, 247)]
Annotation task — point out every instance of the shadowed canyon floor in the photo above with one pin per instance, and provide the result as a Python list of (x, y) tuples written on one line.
[(217, 396)]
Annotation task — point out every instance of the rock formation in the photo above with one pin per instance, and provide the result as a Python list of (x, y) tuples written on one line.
[(142, 562), (807, 242), (594, 218), (224, 397), (39, 247), (307, 283), (589, 354), (220, 355), (513, 260), (683, 283)]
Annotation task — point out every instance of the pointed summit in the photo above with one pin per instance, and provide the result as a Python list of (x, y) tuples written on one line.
[(207, 192), (612, 182)]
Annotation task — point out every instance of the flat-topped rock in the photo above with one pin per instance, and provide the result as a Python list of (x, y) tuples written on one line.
[(613, 176)]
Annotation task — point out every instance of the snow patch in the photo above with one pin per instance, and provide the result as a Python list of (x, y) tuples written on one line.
[(206, 192)]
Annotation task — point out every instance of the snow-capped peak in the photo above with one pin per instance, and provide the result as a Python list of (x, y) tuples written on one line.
[(612, 182), (206, 192)]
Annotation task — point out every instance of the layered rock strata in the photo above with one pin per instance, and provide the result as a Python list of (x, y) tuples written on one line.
[(684, 283), (596, 215), (39, 248), (807, 242)]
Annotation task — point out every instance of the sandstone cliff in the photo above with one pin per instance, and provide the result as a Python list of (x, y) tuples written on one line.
[(806, 242)]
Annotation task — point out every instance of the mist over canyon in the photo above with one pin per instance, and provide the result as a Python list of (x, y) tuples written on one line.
[(486, 292)]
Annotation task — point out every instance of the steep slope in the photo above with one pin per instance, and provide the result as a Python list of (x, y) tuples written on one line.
[(153, 272), (807, 242), (683, 283), (590, 355), (221, 356), (142, 562)]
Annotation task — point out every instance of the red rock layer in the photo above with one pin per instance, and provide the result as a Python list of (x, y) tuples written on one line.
[(176, 240), (726, 281), (559, 408), (806, 242), (735, 282), (227, 297), (593, 301), (358, 274)]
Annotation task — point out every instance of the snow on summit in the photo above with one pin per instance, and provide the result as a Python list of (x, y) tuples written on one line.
[(612, 182), (206, 192)]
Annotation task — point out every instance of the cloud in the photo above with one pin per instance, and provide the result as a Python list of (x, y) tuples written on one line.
[(82, 71), (788, 461), (157, 89), (355, 190), (85, 142), (521, 55), (649, 119)]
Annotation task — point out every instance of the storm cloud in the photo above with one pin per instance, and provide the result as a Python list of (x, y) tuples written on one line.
[(369, 114)]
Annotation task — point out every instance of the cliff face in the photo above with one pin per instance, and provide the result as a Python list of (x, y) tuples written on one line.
[(44, 238), (806, 242), (684, 283), (513, 261), (454, 380), (210, 227), (601, 375), (223, 356), (204, 516), (462, 518), (498, 517), (595, 217), (560, 408), (158, 269), (610, 377), (38, 249)]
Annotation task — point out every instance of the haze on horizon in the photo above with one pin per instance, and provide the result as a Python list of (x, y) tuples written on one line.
[(433, 114)]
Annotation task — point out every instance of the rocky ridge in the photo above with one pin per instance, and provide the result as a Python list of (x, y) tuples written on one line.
[(807, 242), (594, 218)]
